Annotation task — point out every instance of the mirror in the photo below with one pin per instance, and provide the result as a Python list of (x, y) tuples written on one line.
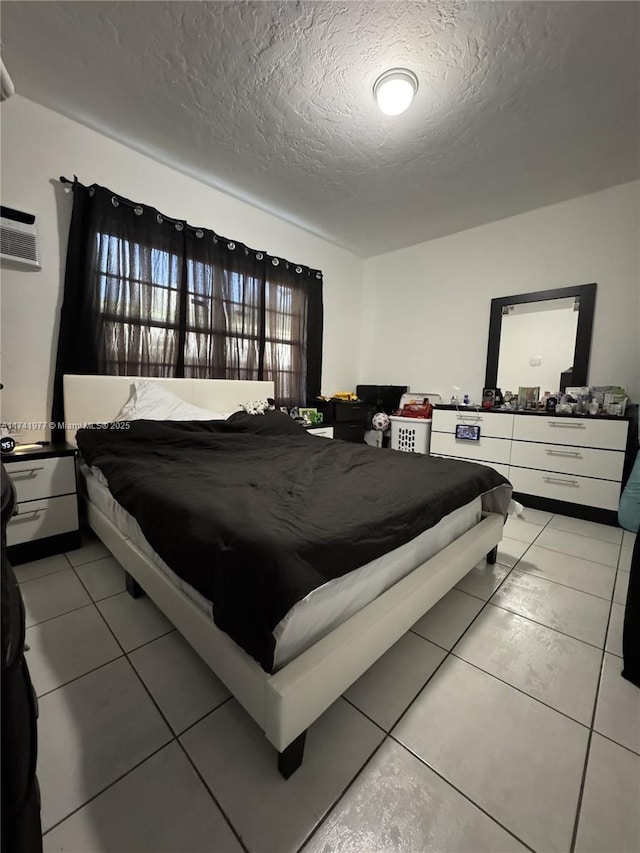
[(540, 339)]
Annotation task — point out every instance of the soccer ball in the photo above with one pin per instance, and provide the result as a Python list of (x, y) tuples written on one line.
[(380, 421)]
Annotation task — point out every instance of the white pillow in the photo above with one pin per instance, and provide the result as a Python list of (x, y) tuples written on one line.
[(150, 401)]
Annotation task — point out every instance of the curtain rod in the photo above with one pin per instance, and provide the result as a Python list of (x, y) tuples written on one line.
[(116, 199)]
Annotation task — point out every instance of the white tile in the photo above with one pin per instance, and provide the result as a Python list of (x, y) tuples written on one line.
[(551, 667), (587, 528), (483, 580), (134, 621), (449, 618), (624, 563), (523, 531), (40, 568), (609, 811), (160, 807), (622, 586), (628, 539), (577, 545), (90, 733), (614, 635), (517, 759), (69, 646), (398, 804), (618, 711), (390, 685), (93, 549), (52, 595), (510, 551), (179, 680), (239, 765), (570, 611), (575, 572), (102, 578), (536, 516)]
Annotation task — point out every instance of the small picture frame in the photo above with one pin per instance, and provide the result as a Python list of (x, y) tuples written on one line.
[(528, 397), (309, 415)]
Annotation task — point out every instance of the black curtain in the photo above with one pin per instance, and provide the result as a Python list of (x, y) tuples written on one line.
[(148, 295)]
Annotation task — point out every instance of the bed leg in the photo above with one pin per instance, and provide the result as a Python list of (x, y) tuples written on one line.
[(133, 587), (291, 758), (492, 556)]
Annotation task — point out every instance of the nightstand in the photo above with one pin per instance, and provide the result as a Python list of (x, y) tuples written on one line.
[(46, 519)]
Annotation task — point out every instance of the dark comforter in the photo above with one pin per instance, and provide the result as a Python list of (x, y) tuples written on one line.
[(256, 522)]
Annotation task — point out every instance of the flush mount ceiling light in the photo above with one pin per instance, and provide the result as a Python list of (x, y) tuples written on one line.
[(394, 90)]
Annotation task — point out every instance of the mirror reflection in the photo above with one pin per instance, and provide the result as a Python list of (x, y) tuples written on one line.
[(537, 343)]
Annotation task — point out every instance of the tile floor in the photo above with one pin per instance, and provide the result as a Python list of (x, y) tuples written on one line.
[(499, 723)]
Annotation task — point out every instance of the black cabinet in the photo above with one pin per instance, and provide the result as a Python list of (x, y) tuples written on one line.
[(347, 419)]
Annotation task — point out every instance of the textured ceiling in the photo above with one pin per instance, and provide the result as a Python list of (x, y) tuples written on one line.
[(521, 104)]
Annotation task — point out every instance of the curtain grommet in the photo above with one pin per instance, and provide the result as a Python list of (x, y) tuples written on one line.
[(179, 226), (259, 256), (114, 201), (159, 219), (199, 233), (275, 261), (231, 246), (298, 269), (138, 211)]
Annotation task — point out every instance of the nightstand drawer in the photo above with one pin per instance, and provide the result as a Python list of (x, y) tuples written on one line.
[(42, 478), (323, 432), (41, 518)]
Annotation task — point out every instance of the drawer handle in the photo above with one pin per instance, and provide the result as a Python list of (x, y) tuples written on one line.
[(565, 424), (23, 514), (560, 481), (470, 417), (26, 470), (575, 454)]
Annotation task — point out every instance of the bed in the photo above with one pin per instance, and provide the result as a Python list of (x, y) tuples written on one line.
[(337, 630)]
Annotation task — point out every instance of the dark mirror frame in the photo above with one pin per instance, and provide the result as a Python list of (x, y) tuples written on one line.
[(587, 294)]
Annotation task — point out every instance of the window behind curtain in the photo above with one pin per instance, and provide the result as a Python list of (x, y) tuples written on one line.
[(138, 295), (149, 296)]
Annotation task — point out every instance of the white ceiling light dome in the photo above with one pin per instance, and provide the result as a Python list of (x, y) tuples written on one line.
[(394, 90)]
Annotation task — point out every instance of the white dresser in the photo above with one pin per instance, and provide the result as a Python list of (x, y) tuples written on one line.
[(565, 462)]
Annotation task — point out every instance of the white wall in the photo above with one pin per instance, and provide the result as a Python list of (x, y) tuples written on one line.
[(429, 304), (38, 146)]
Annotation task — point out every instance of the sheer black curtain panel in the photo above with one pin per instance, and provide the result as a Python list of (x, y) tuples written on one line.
[(148, 295)]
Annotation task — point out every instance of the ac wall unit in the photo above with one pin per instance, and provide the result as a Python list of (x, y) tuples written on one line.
[(19, 238)]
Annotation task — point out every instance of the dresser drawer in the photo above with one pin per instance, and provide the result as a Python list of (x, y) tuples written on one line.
[(603, 494), (578, 432), (42, 478), (604, 464), (491, 424), (501, 469), (486, 449), (41, 518)]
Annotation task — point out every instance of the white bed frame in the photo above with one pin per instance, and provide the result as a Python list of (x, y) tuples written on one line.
[(286, 703)]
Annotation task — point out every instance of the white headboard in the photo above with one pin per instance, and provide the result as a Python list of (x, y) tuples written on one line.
[(98, 399)]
